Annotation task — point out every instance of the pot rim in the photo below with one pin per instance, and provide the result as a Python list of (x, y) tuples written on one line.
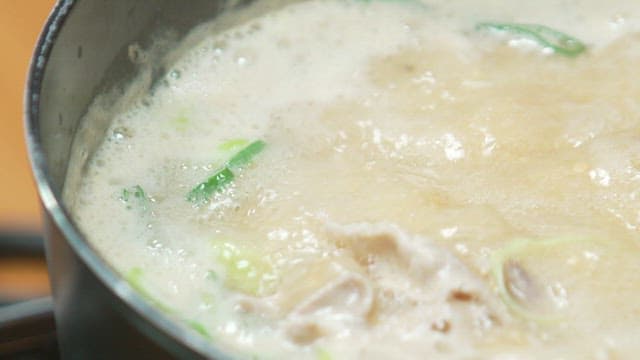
[(137, 310)]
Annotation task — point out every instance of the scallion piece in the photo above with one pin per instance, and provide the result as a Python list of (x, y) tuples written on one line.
[(181, 123), (232, 144), (244, 156), (501, 259), (244, 269), (199, 328), (135, 278), (203, 191), (323, 354), (545, 36), (135, 192)]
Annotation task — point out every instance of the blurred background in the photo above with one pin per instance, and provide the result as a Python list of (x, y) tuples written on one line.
[(22, 270)]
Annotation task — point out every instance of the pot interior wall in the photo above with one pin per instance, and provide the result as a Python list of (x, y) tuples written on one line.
[(91, 55)]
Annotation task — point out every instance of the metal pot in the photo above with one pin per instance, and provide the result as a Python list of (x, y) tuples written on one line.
[(83, 50)]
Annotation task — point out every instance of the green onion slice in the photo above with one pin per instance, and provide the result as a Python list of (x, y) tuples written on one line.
[(244, 156), (245, 270), (545, 36), (502, 260), (199, 328), (135, 278), (233, 144), (202, 192), (135, 193), (323, 354)]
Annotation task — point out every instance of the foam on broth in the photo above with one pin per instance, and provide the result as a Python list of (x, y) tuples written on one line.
[(427, 189)]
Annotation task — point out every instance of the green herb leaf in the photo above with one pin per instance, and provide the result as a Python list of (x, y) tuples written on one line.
[(545, 36)]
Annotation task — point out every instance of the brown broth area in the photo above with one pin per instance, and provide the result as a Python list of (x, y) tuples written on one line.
[(381, 215)]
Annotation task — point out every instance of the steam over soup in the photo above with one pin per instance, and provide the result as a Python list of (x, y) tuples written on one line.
[(343, 179)]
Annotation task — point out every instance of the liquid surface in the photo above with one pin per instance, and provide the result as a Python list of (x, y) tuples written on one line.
[(427, 189)]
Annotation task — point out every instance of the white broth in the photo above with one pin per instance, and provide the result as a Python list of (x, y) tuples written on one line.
[(344, 179)]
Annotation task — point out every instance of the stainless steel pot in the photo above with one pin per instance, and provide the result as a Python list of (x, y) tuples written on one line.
[(82, 51)]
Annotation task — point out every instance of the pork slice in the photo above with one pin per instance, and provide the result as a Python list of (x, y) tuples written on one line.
[(419, 280)]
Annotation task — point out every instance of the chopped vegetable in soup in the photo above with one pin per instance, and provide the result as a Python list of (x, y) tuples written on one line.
[(350, 179)]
